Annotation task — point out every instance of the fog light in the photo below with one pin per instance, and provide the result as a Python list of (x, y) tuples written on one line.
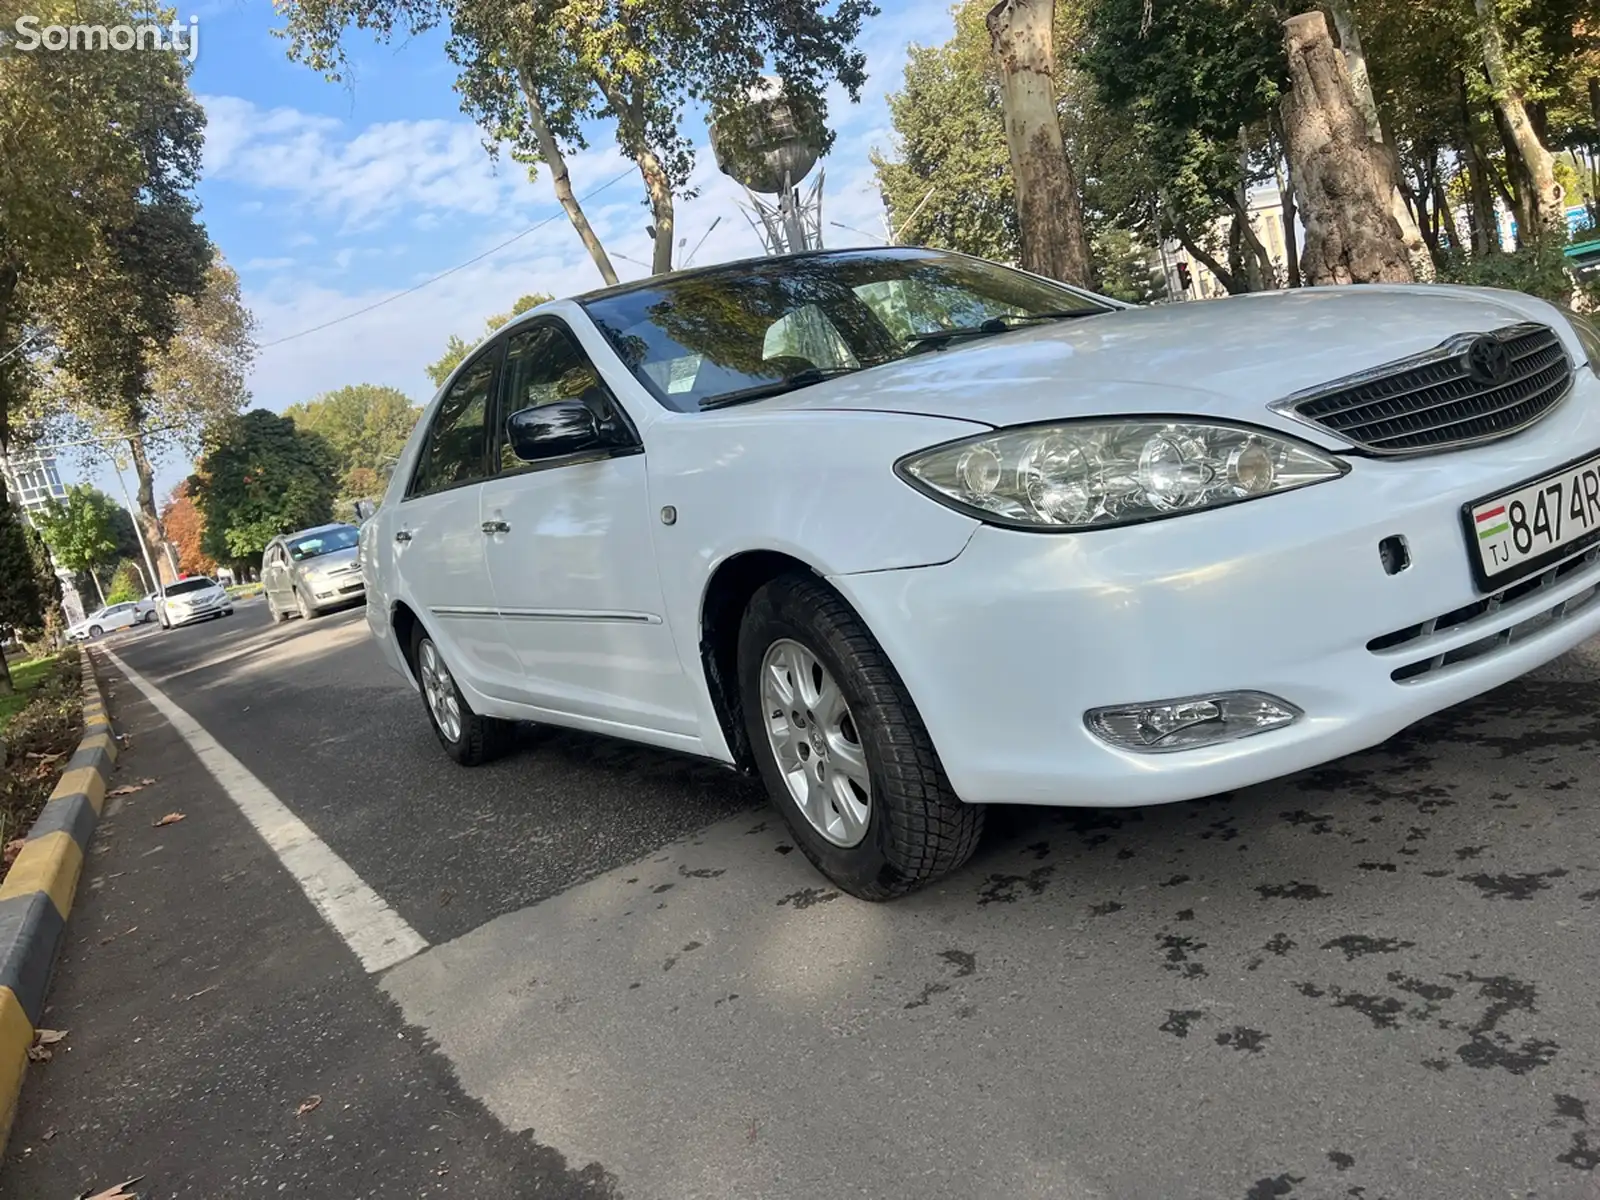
[(1191, 722)]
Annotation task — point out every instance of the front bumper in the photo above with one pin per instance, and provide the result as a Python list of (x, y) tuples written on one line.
[(337, 589), (1005, 648), (192, 613)]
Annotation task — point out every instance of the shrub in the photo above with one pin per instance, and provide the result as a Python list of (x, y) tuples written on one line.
[(127, 584)]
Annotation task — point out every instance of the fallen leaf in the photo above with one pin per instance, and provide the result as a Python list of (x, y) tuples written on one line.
[(126, 790), (13, 849), (309, 1104), (202, 992), (49, 1134), (45, 759), (169, 819), (49, 1037), (117, 1191)]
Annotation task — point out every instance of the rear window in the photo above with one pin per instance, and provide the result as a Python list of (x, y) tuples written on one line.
[(189, 585)]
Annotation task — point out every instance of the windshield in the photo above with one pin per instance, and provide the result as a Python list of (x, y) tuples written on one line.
[(325, 542), (198, 584), (699, 336)]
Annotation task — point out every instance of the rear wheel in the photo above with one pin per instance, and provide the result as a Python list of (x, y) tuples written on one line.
[(468, 738), (840, 746)]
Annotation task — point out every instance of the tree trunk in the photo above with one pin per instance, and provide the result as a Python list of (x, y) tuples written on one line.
[(1258, 265), (100, 591), (1446, 215), (155, 538), (1291, 247), (1386, 161), (557, 164), (9, 277), (1480, 210), (1543, 200), (659, 189), (1224, 276), (1049, 210), (1351, 233)]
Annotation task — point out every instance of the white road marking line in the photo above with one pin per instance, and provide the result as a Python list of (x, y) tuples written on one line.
[(379, 936)]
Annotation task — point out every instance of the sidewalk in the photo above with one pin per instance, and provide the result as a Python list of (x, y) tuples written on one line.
[(206, 1004)]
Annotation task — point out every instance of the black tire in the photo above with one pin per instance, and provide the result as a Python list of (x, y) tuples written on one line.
[(481, 739), (95, 631), (918, 830), (304, 605)]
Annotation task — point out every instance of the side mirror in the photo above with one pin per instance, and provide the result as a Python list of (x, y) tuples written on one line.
[(365, 509), (553, 430)]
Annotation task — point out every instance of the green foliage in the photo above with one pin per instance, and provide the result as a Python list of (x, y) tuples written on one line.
[(82, 531), (1537, 267), (126, 584), (1123, 263), (365, 425), (457, 349), (262, 477), (22, 607), (632, 65), (949, 184)]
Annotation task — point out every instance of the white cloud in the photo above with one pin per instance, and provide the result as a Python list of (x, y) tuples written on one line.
[(432, 178)]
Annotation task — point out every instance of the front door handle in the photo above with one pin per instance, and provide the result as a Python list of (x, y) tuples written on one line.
[(402, 535), (495, 527)]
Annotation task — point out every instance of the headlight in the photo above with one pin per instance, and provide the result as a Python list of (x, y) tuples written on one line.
[(1094, 474), (1588, 332)]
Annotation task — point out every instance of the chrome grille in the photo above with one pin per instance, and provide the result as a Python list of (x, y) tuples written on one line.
[(1499, 632), (1435, 401)]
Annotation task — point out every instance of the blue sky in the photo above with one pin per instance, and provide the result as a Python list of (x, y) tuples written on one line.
[(329, 197)]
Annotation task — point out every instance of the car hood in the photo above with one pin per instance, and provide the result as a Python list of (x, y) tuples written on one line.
[(1225, 358), (330, 563)]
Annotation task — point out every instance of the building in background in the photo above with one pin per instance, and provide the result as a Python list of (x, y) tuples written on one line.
[(33, 481)]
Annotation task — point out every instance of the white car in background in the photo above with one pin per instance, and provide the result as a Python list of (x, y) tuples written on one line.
[(909, 533), (106, 620), (195, 598)]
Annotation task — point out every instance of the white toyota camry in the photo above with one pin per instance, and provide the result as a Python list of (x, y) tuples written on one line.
[(910, 533)]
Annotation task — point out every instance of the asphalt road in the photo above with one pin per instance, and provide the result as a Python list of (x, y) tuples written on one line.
[(1371, 980)]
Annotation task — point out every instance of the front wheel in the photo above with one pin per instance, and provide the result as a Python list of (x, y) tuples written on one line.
[(466, 737), (840, 746), (95, 631), (304, 605)]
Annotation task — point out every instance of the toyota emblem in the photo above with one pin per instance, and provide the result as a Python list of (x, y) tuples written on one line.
[(1488, 361)]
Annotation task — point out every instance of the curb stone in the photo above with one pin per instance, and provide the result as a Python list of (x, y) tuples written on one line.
[(37, 892)]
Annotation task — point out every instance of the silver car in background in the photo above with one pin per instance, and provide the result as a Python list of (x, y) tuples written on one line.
[(309, 571), (195, 598)]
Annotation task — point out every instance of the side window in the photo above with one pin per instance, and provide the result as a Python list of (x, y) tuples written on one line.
[(454, 450), (545, 364)]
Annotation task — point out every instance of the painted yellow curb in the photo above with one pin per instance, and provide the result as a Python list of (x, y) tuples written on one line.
[(50, 864), (16, 1035), (82, 779), (101, 741)]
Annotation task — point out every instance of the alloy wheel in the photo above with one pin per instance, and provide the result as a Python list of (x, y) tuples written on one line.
[(440, 691), (816, 743)]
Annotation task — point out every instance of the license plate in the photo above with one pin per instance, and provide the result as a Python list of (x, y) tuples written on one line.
[(1519, 532)]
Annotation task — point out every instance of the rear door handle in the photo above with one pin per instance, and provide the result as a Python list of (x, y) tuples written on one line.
[(495, 527), (402, 535)]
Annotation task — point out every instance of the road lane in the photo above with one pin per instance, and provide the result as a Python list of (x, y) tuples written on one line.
[(311, 709), (1374, 979), (204, 1003)]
